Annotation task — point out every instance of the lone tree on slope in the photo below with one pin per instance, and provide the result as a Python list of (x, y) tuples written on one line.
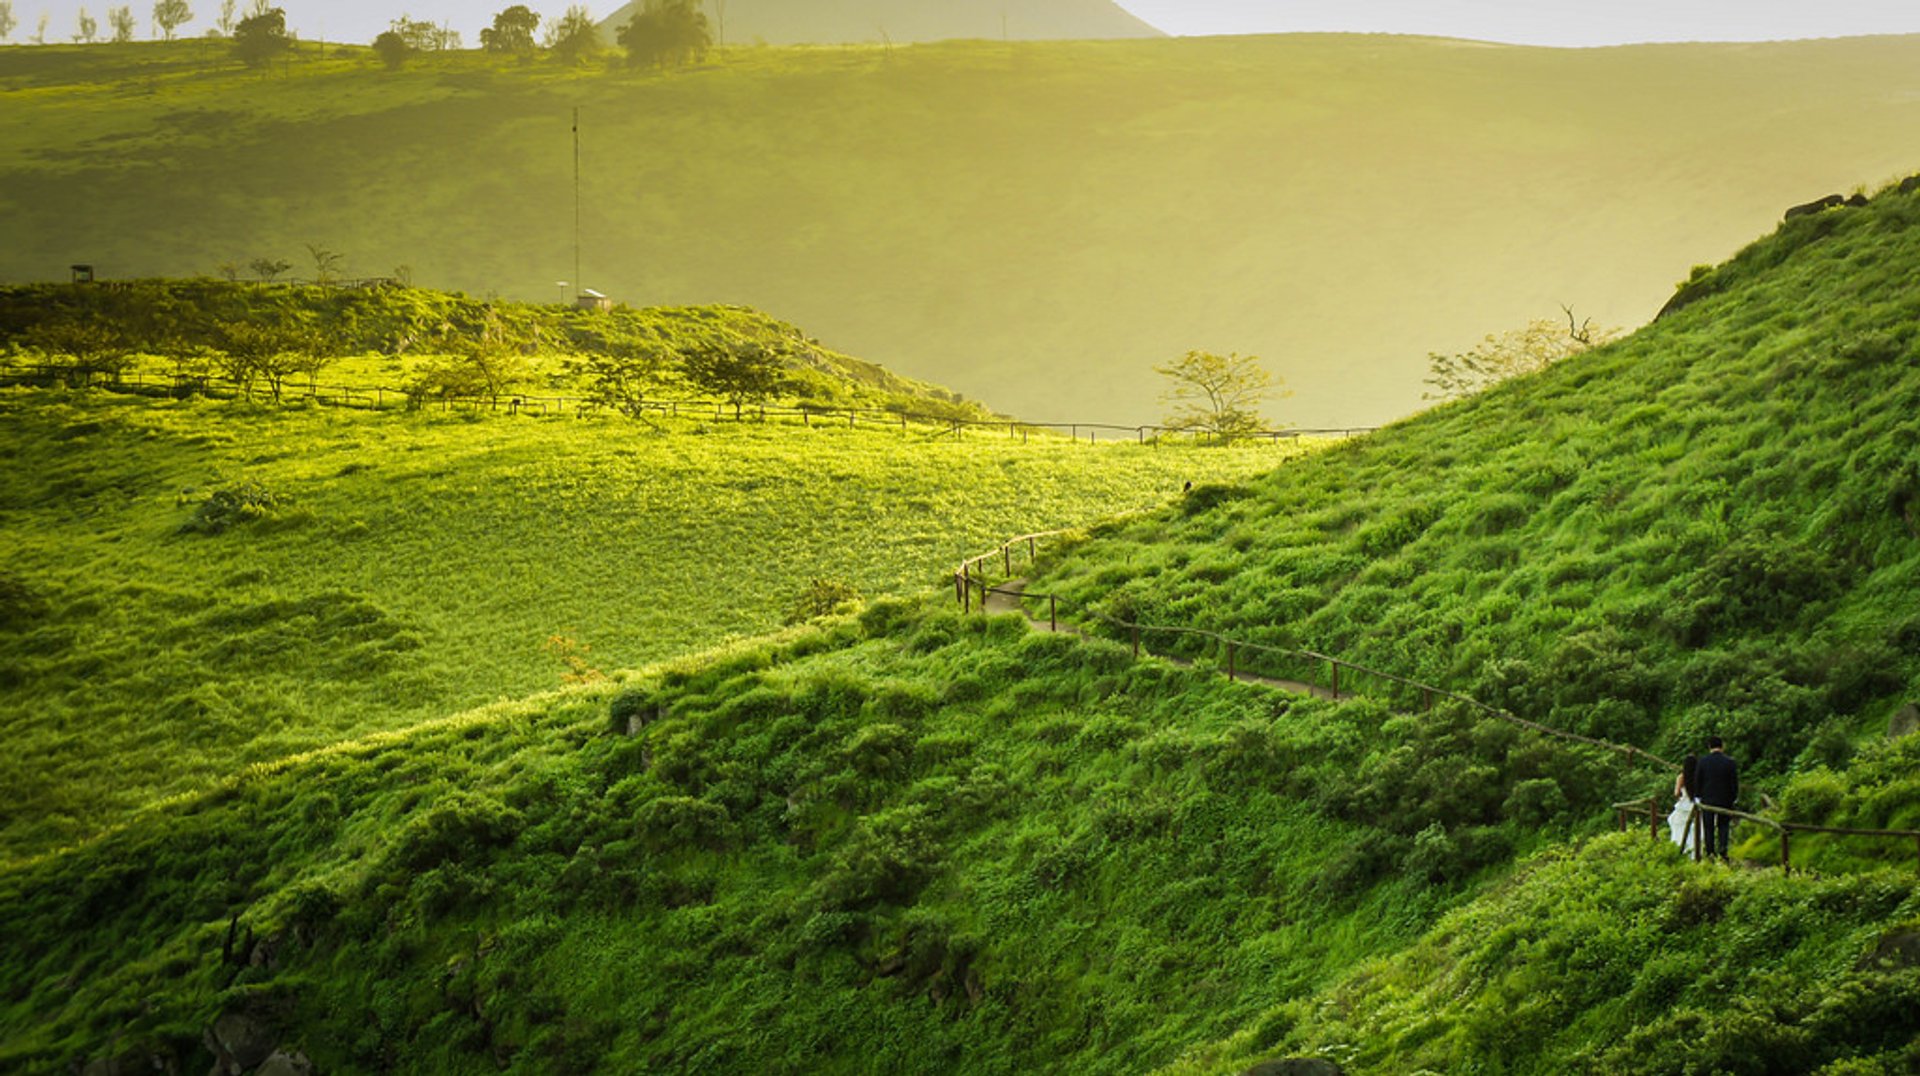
[(89, 28), (7, 21), (392, 49), (574, 38), (1218, 394), (512, 31), (666, 33), (741, 373), (1530, 349), (260, 39), (121, 20), (169, 15)]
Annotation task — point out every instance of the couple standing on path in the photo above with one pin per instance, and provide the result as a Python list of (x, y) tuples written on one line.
[(1714, 780)]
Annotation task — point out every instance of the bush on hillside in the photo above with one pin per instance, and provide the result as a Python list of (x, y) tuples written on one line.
[(231, 506), (823, 598)]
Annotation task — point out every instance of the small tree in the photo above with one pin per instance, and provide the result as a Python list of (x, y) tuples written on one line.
[(40, 30), (268, 269), (259, 39), (326, 263), (169, 15), (7, 22), (1526, 350), (89, 28), (423, 36), (92, 347), (619, 374), (1218, 394), (271, 352), (121, 20), (740, 373), (574, 38), (666, 33), (512, 31), (227, 17), (392, 49)]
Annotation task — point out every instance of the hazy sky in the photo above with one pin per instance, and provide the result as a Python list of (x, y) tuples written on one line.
[(1546, 22)]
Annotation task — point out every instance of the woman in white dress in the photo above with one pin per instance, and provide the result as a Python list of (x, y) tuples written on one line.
[(1679, 821)]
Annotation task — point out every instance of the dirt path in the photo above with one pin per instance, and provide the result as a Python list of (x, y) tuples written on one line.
[(1006, 598)]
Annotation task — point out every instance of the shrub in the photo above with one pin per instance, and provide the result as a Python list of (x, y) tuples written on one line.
[(630, 710), (229, 506), (1535, 803), (823, 598), (669, 822)]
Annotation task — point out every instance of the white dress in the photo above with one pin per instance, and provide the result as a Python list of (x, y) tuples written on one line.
[(1678, 819)]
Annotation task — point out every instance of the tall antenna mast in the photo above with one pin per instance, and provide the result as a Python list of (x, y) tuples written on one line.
[(578, 286)]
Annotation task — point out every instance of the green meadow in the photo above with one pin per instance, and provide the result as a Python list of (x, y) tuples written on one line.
[(1033, 224), (205, 585), (905, 837)]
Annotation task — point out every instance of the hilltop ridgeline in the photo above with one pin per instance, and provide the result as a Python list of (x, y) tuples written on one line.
[(833, 22), (193, 324), (1025, 223)]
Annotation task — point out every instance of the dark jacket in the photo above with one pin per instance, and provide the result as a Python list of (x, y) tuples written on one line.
[(1717, 782)]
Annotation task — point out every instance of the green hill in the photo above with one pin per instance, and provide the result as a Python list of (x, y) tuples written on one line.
[(913, 839), (1033, 225), (192, 587), (800, 22)]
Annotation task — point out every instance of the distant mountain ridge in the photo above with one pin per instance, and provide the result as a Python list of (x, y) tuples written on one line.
[(832, 22)]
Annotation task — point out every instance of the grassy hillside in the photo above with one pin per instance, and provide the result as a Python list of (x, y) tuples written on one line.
[(789, 22), (203, 586), (916, 840), (1033, 225), (384, 333)]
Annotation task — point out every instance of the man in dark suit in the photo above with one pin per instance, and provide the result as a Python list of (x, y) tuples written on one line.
[(1718, 785)]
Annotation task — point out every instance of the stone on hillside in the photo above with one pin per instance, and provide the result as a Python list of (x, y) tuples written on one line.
[(1817, 205), (1904, 723), (1910, 184), (239, 1042), (1296, 1066), (1896, 952), (285, 1064)]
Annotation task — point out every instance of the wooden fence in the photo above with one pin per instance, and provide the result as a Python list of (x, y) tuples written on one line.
[(973, 576), (1342, 677), (383, 397), (1694, 834)]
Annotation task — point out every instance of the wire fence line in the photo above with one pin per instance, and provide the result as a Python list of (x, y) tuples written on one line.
[(972, 576), (386, 397)]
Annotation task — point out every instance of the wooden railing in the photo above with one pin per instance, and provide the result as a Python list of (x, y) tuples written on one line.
[(969, 579), (1694, 835)]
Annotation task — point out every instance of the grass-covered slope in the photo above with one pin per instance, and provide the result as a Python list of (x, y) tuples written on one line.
[(787, 22), (1711, 526), (911, 840), (191, 587), (1034, 225)]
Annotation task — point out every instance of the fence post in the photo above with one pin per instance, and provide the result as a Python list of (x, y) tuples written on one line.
[(966, 590), (1233, 654), (1006, 553), (1033, 548), (1053, 613), (1696, 828), (1136, 641), (1335, 666)]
